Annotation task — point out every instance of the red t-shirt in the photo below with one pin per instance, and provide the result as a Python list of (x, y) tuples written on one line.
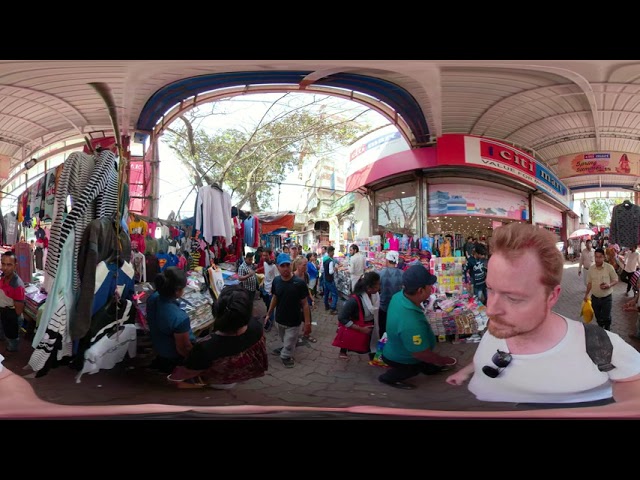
[(14, 288)]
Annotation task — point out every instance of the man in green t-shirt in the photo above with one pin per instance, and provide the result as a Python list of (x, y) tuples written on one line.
[(410, 340)]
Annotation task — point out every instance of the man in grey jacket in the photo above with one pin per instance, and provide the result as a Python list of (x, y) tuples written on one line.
[(390, 283)]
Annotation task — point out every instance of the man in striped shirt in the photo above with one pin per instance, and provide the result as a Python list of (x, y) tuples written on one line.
[(247, 276)]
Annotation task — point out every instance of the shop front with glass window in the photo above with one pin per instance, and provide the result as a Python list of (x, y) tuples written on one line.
[(426, 202)]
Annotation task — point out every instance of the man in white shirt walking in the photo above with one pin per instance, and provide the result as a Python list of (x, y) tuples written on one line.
[(631, 264), (587, 259), (270, 272), (356, 265)]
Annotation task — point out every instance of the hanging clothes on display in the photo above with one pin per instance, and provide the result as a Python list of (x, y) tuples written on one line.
[(99, 243), (138, 230), (37, 198), (39, 255), (3, 239), (109, 349), (50, 193), (625, 225), (52, 341), (87, 179), (92, 183), (213, 213), (24, 261), (10, 231)]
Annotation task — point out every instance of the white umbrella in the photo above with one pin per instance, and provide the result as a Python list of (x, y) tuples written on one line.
[(581, 232)]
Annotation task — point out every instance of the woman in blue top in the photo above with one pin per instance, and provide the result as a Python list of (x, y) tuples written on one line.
[(312, 270), (169, 325)]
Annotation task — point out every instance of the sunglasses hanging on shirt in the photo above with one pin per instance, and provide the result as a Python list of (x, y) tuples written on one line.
[(501, 360)]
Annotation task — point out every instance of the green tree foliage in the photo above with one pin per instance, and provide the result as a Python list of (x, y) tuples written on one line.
[(250, 160), (600, 210)]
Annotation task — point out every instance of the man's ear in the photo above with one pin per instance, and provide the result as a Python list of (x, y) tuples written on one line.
[(554, 296)]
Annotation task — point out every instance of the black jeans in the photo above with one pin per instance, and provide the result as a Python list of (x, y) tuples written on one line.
[(401, 371), (602, 310), (382, 322), (9, 319)]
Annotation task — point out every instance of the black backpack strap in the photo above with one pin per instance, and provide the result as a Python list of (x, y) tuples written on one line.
[(599, 346)]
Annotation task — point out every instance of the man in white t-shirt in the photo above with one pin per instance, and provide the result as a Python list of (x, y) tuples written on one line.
[(530, 354), (631, 264), (356, 265), (270, 272), (587, 259)]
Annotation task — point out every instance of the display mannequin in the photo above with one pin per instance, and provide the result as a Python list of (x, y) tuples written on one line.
[(445, 248)]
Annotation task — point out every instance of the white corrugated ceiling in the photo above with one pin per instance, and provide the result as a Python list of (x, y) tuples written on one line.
[(550, 107)]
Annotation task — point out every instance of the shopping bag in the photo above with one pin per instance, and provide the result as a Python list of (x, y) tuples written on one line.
[(351, 340), (587, 311)]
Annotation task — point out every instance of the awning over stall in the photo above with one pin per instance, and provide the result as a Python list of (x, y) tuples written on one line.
[(270, 221)]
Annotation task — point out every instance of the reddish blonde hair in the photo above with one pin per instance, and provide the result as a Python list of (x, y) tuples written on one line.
[(514, 239)]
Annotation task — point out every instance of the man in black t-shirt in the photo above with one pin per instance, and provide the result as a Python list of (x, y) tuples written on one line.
[(289, 299), (477, 268)]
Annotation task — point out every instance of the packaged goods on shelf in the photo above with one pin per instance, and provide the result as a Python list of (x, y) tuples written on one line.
[(453, 317), (195, 303), (450, 273)]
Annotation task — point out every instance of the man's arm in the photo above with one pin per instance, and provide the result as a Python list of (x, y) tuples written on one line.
[(627, 391), (461, 375), (250, 274), (429, 356), (272, 306), (307, 316), (613, 277), (19, 307), (586, 295)]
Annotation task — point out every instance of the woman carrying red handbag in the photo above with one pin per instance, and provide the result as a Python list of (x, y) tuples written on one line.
[(358, 317)]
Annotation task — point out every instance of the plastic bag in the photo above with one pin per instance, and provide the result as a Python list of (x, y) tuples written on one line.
[(587, 311)]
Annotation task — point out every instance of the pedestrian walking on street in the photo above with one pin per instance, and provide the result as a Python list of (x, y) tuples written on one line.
[(291, 308)]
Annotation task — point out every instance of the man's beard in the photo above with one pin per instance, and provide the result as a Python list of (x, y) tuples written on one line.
[(500, 329)]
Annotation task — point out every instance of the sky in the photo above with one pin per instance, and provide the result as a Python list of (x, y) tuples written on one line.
[(175, 187), (174, 184)]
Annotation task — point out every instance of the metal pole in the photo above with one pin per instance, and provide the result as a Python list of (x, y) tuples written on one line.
[(155, 178)]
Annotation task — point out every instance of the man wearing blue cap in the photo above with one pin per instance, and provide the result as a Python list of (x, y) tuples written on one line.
[(289, 301), (410, 340)]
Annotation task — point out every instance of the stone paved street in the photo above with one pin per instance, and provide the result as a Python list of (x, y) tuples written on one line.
[(319, 378)]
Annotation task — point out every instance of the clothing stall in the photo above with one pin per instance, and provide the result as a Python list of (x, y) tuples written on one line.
[(86, 262)]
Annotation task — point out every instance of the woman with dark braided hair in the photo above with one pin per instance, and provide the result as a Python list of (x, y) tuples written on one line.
[(235, 352)]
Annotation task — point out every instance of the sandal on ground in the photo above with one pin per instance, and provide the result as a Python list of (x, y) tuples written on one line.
[(343, 356), (195, 382), (311, 339)]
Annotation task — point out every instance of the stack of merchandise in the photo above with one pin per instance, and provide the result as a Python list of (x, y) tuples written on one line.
[(32, 302), (451, 318), (377, 260), (450, 273), (368, 245), (198, 307), (231, 267)]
